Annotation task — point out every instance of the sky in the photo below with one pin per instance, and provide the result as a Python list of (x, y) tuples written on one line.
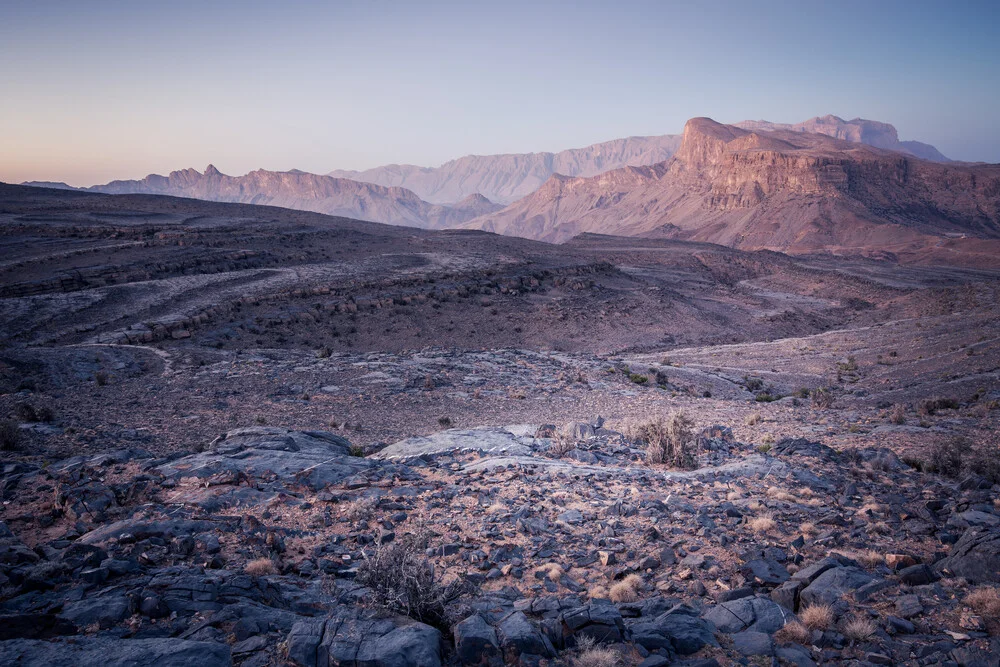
[(94, 91)]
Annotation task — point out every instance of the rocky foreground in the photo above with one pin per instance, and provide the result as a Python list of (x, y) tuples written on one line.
[(568, 547)]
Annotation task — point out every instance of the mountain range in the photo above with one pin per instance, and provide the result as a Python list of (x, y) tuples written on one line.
[(508, 177), (788, 190), (824, 184), (307, 192)]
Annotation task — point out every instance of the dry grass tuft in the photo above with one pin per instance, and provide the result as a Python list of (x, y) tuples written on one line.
[(553, 571), (985, 601), (260, 567), (403, 581), (622, 592), (817, 616), (764, 523), (807, 528), (782, 495), (668, 441), (858, 629), (793, 632), (587, 654), (752, 420), (626, 590)]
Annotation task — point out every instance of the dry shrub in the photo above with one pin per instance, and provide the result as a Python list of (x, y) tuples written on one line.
[(780, 494), (362, 509), (807, 528), (553, 571), (957, 456), (817, 616), (764, 523), (260, 567), (561, 445), (587, 654), (793, 632), (752, 420), (626, 590), (898, 414), (10, 436), (930, 406), (668, 441), (402, 580), (871, 557), (985, 601), (822, 398), (858, 629)]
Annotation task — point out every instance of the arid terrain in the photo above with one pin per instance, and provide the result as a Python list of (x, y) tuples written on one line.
[(237, 434)]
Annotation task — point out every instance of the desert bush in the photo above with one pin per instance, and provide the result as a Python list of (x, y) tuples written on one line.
[(668, 441), (357, 450), (930, 406), (588, 654), (985, 601), (858, 629), (27, 412), (764, 523), (626, 590), (752, 420), (101, 378), (402, 580), (561, 445), (10, 436), (638, 378), (445, 422), (260, 567), (849, 365), (822, 398), (793, 632), (898, 414), (817, 616), (945, 456), (753, 383)]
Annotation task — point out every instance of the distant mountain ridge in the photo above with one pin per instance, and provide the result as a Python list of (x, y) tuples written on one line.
[(786, 190), (858, 130), (508, 177), (308, 192)]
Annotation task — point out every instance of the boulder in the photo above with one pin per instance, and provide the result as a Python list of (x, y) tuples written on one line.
[(757, 614), (833, 584), (114, 653), (600, 620), (678, 630), (976, 556), (519, 636), (364, 639), (476, 642)]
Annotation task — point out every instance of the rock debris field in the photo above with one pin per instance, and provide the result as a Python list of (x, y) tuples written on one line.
[(237, 435)]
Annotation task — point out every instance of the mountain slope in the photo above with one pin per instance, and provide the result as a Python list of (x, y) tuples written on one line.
[(508, 177), (858, 130), (792, 191), (307, 192)]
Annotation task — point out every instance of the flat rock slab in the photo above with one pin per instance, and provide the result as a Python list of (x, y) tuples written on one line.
[(976, 556), (114, 653), (497, 441), (313, 458), (364, 640)]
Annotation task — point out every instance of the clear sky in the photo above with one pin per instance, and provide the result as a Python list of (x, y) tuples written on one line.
[(91, 91)]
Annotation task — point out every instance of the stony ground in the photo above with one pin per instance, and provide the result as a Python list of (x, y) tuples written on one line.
[(216, 419)]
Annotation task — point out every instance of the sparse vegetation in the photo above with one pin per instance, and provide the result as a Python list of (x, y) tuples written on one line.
[(626, 590), (588, 654), (792, 632), (858, 628), (752, 420), (898, 414), (403, 581), (668, 441), (445, 422), (101, 378), (27, 412), (930, 406), (764, 523), (10, 435), (638, 378), (260, 567), (822, 398), (817, 616), (753, 383), (357, 451)]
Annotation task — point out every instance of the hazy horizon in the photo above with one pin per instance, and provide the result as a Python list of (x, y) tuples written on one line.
[(116, 91)]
